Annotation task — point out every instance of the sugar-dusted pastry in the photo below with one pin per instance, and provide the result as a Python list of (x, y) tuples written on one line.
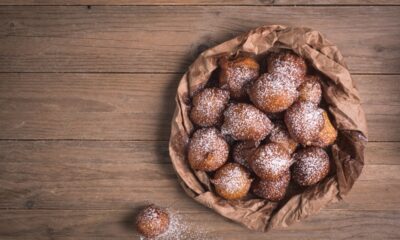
[(208, 106), (273, 92), (242, 151), (289, 63), (327, 135), (245, 122), (270, 161), (280, 135), (304, 121), (311, 166), (311, 89), (273, 190), (207, 150), (232, 181), (237, 73), (152, 221)]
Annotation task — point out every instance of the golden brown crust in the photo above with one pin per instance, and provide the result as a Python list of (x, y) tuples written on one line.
[(232, 181), (327, 135), (304, 121), (208, 106), (242, 151), (270, 161), (236, 74), (289, 63), (273, 92), (207, 150), (311, 89), (246, 123), (152, 221), (272, 190), (311, 166), (280, 135)]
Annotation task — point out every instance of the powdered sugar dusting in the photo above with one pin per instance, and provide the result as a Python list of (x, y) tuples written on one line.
[(287, 63), (270, 160), (208, 106), (273, 190), (245, 122), (311, 90), (232, 179), (207, 141), (312, 164), (181, 229), (304, 121), (270, 87)]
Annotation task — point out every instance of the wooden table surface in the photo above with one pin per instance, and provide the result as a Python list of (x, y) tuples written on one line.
[(86, 99)]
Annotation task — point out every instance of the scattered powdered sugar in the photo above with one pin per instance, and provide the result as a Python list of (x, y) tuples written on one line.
[(277, 83), (233, 178), (279, 133), (242, 152), (270, 159), (304, 121), (210, 103), (289, 64), (311, 90), (311, 164), (181, 229), (206, 141), (245, 122), (273, 190)]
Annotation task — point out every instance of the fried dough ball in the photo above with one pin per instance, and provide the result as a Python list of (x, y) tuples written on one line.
[(280, 134), (207, 150), (311, 90), (272, 190), (273, 92), (152, 221), (236, 74), (245, 122), (311, 166), (270, 161), (288, 63), (232, 181), (327, 135), (242, 151), (304, 121), (208, 106)]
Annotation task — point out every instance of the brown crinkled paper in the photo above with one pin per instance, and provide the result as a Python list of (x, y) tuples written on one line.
[(344, 105)]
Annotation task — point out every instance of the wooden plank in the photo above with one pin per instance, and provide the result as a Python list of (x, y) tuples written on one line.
[(137, 106), (119, 175), (134, 39), (117, 224), (200, 2)]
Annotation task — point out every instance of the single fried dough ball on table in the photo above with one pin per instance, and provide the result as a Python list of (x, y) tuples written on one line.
[(280, 135), (311, 89), (270, 161), (208, 106), (242, 152), (273, 92), (152, 221), (327, 135), (274, 190), (304, 121), (207, 150), (288, 63), (244, 122), (232, 181), (311, 166), (236, 74)]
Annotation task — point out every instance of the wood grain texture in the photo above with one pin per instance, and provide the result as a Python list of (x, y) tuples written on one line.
[(138, 106), (167, 38), (121, 175), (117, 224), (201, 2)]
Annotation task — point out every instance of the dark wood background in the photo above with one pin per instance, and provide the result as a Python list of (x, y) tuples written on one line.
[(86, 99)]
